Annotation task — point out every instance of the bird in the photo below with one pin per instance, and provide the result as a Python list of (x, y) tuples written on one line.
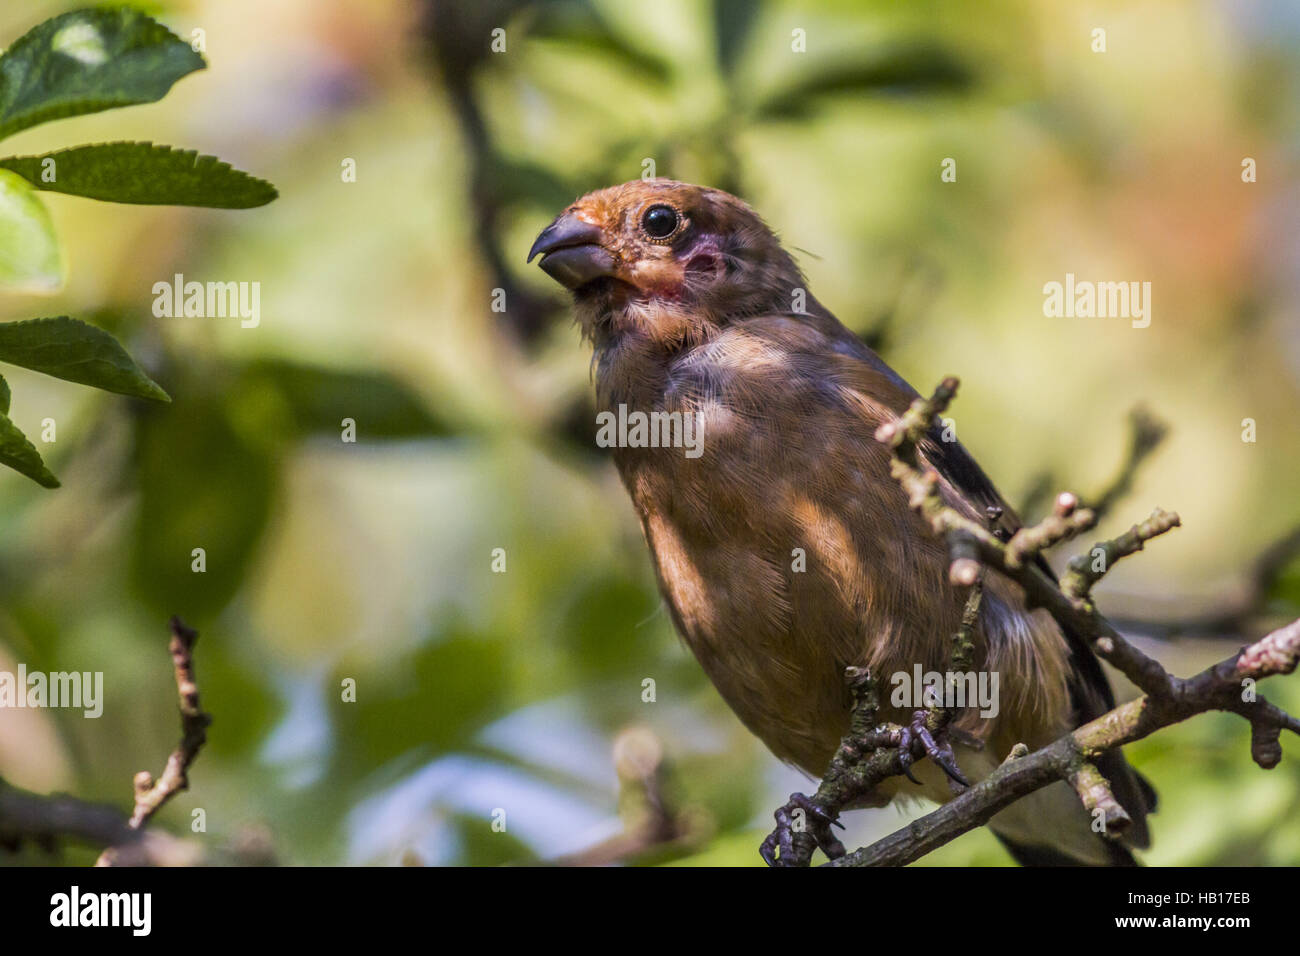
[(783, 548)]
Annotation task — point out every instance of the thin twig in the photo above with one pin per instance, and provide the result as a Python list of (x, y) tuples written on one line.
[(1146, 432), (151, 794)]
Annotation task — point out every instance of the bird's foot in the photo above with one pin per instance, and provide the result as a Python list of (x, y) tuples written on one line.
[(933, 741), (802, 827)]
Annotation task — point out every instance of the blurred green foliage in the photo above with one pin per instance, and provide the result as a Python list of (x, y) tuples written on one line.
[(83, 62)]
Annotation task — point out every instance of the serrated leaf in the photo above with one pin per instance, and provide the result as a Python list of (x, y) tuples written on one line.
[(86, 61), (29, 250), (142, 173), (70, 349), (21, 455)]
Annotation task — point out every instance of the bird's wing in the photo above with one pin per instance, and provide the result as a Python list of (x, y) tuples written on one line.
[(1090, 691)]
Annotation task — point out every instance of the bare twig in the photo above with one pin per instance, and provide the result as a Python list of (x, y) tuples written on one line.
[(1086, 570), (1235, 612), (1146, 432), (1095, 795), (1066, 520), (151, 794), (653, 825)]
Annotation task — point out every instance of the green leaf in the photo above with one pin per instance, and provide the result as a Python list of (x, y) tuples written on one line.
[(469, 668), (320, 398), (4, 396), (70, 349), (481, 846), (205, 481), (733, 20), (583, 26), (1284, 590), (86, 61), (908, 68), (29, 250), (610, 604), (142, 173), (21, 455), (520, 180)]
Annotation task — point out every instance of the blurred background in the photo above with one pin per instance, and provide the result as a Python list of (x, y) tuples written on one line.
[(520, 696)]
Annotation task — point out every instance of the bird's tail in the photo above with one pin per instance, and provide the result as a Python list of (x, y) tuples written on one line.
[(1052, 828)]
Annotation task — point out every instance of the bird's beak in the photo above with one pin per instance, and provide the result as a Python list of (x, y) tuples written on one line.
[(571, 252)]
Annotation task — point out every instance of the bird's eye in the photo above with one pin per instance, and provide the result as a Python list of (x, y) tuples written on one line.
[(659, 222)]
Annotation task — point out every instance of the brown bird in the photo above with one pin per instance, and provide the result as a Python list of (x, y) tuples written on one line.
[(693, 307)]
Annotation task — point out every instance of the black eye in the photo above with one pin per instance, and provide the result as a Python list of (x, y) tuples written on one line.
[(659, 222)]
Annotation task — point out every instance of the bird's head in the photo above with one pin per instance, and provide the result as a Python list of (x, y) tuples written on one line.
[(668, 259)]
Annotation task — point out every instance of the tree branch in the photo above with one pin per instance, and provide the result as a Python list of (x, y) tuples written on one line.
[(47, 819)]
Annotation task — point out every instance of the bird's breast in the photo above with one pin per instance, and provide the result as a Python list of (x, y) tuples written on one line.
[(784, 552)]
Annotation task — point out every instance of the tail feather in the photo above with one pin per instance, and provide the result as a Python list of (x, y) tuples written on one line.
[(1091, 696)]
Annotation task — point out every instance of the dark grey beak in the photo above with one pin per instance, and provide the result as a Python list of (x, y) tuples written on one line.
[(571, 252)]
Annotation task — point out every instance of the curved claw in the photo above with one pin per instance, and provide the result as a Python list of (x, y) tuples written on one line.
[(942, 755), (940, 752), (905, 757), (778, 847), (815, 810)]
